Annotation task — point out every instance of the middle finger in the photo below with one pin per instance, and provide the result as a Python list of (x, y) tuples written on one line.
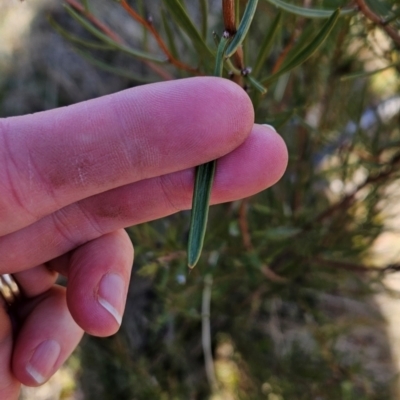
[(255, 165)]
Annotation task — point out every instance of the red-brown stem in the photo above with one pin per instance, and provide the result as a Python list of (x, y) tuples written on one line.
[(229, 15), (284, 53), (105, 29), (378, 21), (150, 27), (228, 7), (349, 199), (112, 35)]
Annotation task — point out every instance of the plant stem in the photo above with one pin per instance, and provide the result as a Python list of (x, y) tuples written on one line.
[(229, 15), (105, 29), (117, 39), (378, 21), (228, 11), (150, 27)]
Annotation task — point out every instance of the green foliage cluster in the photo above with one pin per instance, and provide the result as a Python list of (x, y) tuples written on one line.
[(291, 267)]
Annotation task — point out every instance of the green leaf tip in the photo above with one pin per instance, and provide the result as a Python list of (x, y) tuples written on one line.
[(198, 222), (227, 46)]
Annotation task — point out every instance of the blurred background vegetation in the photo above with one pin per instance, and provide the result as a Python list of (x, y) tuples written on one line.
[(296, 277)]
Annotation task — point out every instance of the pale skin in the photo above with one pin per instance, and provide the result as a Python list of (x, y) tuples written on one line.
[(71, 179)]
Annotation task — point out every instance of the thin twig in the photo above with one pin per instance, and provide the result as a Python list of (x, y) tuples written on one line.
[(293, 38), (228, 7), (229, 14), (349, 199), (282, 56), (150, 27), (117, 39), (368, 13), (206, 334), (105, 29)]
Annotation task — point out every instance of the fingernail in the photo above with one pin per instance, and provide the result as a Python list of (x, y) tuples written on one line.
[(41, 365), (112, 295), (270, 126)]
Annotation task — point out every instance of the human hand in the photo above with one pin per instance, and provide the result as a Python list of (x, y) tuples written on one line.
[(72, 178)]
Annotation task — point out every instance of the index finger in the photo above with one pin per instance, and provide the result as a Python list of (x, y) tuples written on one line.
[(51, 159)]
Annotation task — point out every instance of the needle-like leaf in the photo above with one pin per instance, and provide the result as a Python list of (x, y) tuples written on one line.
[(183, 20), (204, 18), (267, 43), (256, 84), (170, 36), (114, 70), (200, 205), (309, 50), (104, 38), (363, 74), (76, 39), (306, 12), (203, 183)]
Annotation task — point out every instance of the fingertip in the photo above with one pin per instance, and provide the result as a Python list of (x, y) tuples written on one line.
[(234, 104), (214, 115), (255, 166), (98, 281), (278, 155), (45, 340)]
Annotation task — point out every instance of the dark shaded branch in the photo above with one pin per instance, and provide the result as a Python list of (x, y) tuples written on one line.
[(368, 13), (349, 199)]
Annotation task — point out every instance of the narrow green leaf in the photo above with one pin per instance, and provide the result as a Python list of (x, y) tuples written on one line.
[(170, 36), (145, 32), (89, 27), (203, 183), (306, 12), (86, 5), (237, 12), (204, 18), (219, 61), (117, 71), (267, 43), (216, 38), (104, 38), (76, 39), (183, 20), (306, 37), (363, 74), (256, 84), (198, 222), (231, 68), (308, 50), (243, 27)]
